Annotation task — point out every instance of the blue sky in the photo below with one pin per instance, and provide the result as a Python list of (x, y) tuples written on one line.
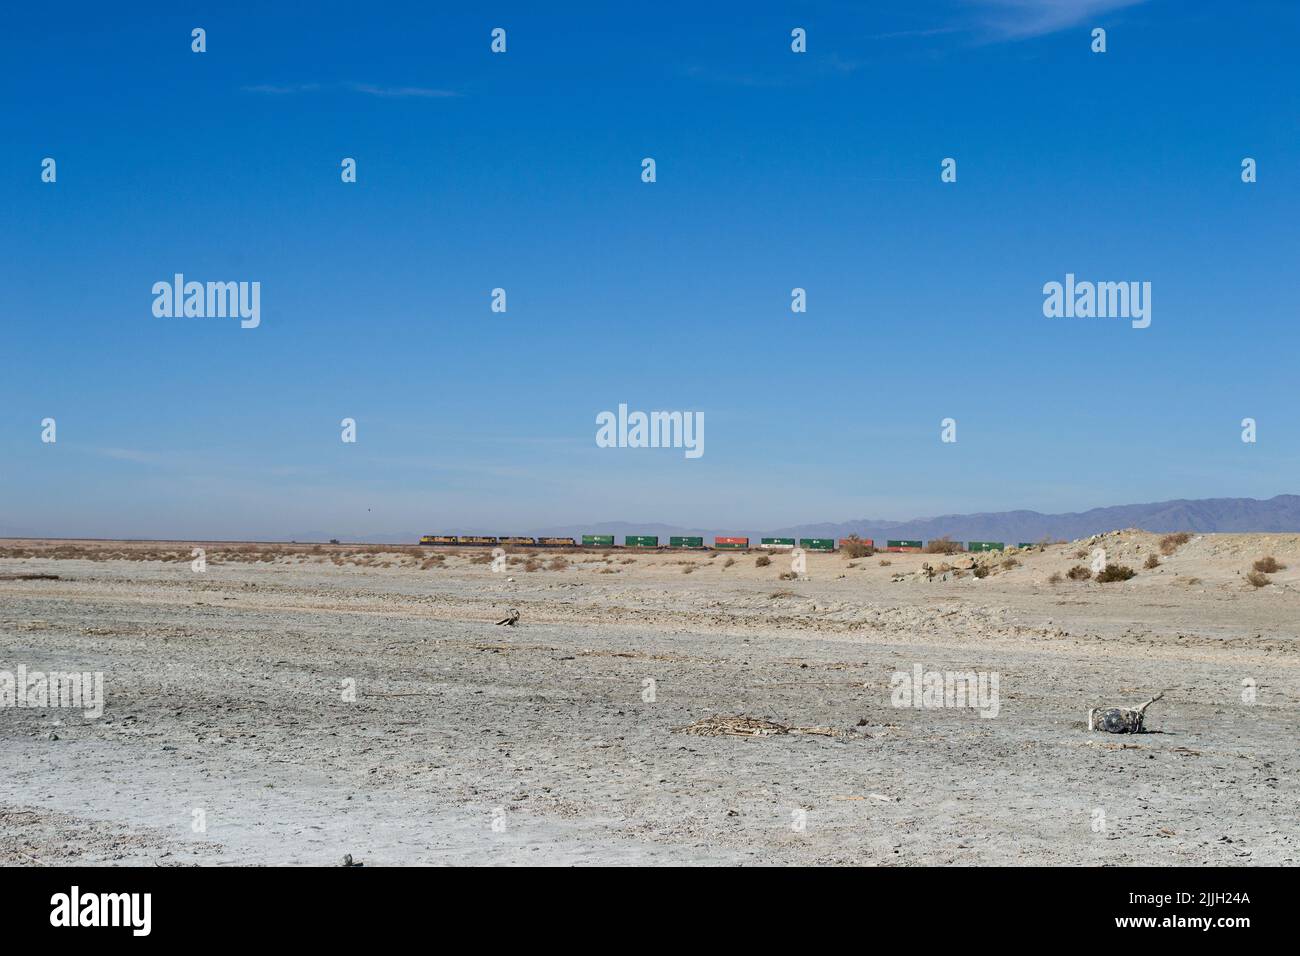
[(522, 170)]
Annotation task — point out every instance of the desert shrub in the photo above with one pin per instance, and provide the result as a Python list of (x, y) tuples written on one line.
[(729, 562), (781, 594), (1115, 572), (483, 557), (762, 561), (944, 545), (1258, 579), (1151, 562), (789, 576), (1055, 578), (855, 547), (1172, 542), (1081, 553), (1269, 565), (689, 569), (885, 562), (558, 563), (1010, 563), (981, 571), (1078, 573), (532, 564)]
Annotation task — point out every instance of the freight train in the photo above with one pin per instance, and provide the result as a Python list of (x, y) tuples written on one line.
[(696, 543)]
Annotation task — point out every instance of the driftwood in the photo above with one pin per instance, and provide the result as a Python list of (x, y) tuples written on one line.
[(1120, 720), (742, 726), (510, 620)]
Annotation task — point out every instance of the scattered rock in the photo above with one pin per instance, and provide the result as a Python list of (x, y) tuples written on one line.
[(1120, 720)]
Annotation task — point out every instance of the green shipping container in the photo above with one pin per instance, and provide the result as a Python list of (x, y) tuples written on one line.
[(685, 542), (902, 543), (817, 544), (598, 541), (985, 546), (1025, 544), (777, 542), (641, 541), (729, 546)]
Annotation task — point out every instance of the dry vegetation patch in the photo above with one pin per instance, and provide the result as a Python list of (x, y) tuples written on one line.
[(1115, 572), (944, 545)]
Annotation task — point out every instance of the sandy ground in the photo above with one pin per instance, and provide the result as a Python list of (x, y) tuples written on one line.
[(225, 693)]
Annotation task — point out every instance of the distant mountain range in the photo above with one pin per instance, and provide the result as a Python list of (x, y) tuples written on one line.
[(1206, 515)]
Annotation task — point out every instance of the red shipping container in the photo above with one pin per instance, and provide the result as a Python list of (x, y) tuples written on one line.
[(731, 540)]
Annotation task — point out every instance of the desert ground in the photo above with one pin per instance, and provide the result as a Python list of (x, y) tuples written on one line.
[(293, 704)]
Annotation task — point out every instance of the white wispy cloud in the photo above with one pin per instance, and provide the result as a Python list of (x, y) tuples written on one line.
[(281, 89), (367, 89), (401, 91), (1021, 19)]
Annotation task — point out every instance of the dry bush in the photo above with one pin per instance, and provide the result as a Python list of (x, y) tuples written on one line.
[(885, 563), (611, 571), (628, 561), (532, 564), (981, 571), (855, 547), (1010, 563), (558, 563), (483, 557), (1151, 562), (729, 562), (789, 576), (689, 569), (944, 545), (781, 594), (1269, 565), (1081, 553), (762, 561), (1115, 572), (1172, 542), (1078, 573), (1055, 578), (1258, 579)]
